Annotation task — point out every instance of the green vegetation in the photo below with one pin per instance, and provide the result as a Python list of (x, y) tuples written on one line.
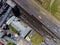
[(55, 9), (13, 29), (44, 3), (38, 2), (36, 39), (11, 43)]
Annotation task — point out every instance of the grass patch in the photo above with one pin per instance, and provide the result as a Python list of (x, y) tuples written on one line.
[(54, 8), (37, 2), (11, 43), (13, 29), (36, 39), (44, 3)]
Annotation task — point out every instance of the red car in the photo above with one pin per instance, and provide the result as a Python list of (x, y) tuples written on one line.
[(1, 43)]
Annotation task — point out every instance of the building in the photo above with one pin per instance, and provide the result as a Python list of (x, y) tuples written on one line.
[(19, 26)]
